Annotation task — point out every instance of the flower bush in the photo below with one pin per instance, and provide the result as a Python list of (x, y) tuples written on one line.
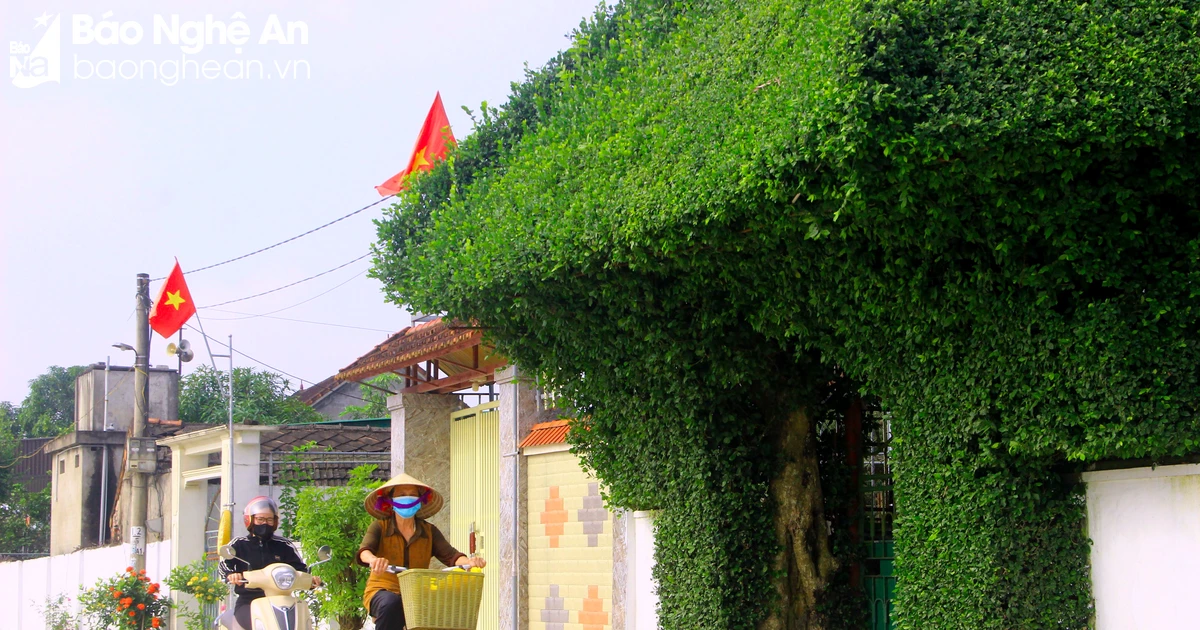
[(129, 601), (57, 613), (195, 580)]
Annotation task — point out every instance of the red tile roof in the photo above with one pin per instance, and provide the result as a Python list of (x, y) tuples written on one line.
[(547, 433), (458, 348)]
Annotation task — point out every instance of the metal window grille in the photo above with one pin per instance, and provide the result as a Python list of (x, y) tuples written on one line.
[(878, 514)]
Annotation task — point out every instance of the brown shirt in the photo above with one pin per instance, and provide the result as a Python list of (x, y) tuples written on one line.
[(383, 538)]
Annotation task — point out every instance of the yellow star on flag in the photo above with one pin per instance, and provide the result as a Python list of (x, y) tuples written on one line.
[(419, 159), (174, 299)]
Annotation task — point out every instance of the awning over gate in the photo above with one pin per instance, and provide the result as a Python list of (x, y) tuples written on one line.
[(434, 357)]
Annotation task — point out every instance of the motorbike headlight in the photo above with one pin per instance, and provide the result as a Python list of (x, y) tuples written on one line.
[(284, 577)]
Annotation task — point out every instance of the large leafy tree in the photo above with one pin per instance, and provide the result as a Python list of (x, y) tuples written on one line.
[(259, 396), (24, 521), (49, 408), (986, 213)]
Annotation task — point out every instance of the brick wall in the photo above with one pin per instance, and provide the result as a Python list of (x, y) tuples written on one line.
[(570, 547)]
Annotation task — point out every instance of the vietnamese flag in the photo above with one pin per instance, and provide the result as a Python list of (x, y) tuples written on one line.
[(174, 305), (433, 141)]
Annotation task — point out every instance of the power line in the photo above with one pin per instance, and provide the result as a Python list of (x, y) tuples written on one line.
[(270, 367), (298, 321), (250, 297), (280, 310), (283, 242)]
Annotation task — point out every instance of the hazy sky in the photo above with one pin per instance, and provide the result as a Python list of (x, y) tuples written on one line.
[(122, 165)]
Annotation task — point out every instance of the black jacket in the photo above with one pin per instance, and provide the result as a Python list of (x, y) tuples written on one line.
[(257, 555)]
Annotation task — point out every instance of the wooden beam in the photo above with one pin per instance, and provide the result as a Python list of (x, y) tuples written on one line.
[(465, 367), (441, 383), (455, 382)]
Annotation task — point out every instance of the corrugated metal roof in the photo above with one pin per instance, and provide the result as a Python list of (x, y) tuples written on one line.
[(547, 433)]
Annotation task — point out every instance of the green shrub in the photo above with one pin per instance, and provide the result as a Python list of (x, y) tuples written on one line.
[(335, 517)]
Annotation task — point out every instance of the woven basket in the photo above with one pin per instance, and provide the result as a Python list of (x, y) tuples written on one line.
[(440, 600)]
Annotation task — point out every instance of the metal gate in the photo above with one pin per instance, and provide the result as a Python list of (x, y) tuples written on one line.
[(475, 495), (878, 515)]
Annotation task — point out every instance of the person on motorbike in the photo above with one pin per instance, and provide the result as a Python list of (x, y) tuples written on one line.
[(401, 536), (259, 548)]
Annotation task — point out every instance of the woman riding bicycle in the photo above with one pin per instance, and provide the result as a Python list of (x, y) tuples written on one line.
[(400, 535)]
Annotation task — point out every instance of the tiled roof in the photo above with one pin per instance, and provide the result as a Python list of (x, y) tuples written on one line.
[(448, 348), (544, 433), (311, 394), (334, 438), (339, 450)]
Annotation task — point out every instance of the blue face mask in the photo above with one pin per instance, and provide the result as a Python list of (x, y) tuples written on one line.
[(406, 507)]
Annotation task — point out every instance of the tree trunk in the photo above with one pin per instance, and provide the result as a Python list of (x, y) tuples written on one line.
[(805, 562)]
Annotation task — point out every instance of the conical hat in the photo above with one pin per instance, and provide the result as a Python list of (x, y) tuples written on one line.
[(378, 505)]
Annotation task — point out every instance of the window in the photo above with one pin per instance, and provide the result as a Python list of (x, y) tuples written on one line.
[(77, 460), (62, 465)]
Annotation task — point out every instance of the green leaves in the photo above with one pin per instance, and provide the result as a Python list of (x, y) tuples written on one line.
[(985, 212), (259, 396), (335, 516)]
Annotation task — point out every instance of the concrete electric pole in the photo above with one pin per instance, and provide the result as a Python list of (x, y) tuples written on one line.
[(143, 453)]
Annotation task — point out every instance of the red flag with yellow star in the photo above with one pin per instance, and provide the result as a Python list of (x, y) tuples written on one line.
[(174, 305), (435, 138)]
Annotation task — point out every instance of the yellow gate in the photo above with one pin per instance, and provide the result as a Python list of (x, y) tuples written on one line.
[(475, 496)]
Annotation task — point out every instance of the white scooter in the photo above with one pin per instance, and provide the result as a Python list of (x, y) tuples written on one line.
[(279, 610)]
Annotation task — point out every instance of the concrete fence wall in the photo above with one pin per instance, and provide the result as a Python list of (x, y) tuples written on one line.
[(25, 586), (1145, 529)]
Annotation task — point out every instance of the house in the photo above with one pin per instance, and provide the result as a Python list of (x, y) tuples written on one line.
[(467, 422), (330, 397)]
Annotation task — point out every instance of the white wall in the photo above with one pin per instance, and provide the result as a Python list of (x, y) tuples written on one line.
[(25, 586), (641, 595), (1145, 529)]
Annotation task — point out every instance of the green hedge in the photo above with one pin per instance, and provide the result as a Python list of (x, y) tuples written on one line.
[(983, 211)]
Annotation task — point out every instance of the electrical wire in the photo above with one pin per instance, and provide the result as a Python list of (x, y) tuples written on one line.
[(283, 242), (270, 367), (298, 321), (280, 310), (313, 277)]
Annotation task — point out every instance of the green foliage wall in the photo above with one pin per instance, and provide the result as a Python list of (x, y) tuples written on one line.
[(985, 212)]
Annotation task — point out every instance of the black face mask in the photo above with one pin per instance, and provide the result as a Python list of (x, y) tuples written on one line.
[(262, 532)]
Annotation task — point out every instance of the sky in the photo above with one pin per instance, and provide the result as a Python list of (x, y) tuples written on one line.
[(286, 116)]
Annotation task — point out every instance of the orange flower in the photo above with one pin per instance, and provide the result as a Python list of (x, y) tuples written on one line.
[(117, 594), (153, 588), (141, 607), (154, 621), (132, 614), (129, 569)]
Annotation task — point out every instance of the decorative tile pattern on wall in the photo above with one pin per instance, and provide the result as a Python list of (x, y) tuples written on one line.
[(554, 516), (593, 616), (555, 614), (593, 515), (570, 547)]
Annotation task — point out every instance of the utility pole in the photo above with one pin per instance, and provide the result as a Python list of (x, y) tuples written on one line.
[(137, 445)]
